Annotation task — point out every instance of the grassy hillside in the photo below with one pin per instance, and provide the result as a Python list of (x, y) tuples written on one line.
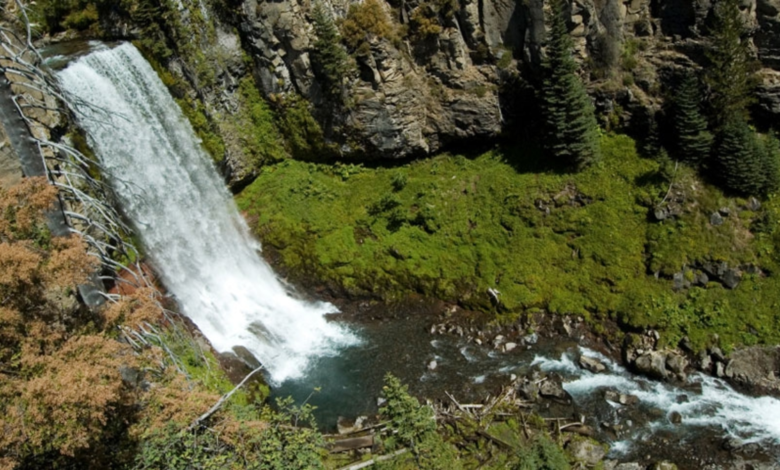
[(586, 243)]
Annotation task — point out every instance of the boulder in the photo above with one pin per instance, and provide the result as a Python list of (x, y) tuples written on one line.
[(586, 451), (591, 364), (756, 367), (675, 417), (676, 363), (652, 364), (552, 387), (716, 219)]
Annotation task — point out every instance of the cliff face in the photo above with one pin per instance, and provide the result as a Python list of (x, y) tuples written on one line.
[(447, 72)]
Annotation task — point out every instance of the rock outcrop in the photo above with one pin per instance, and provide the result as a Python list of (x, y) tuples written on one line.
[(413, 92)]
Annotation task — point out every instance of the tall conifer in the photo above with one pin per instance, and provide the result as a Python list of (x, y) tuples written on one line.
[(731, 72), (739, 158), (694, 142), (568, 112), (328, 54)]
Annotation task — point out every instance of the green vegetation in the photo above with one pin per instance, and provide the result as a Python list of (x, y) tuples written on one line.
[(364, 19), (569, 244), (330, 58), (694, 141), (568, 113)]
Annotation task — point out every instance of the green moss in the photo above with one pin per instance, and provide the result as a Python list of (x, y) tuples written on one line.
[(565, 243)]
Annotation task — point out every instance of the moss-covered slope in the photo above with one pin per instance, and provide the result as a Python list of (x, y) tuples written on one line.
[(586, 244)]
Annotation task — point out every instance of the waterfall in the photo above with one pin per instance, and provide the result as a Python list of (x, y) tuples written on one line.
[(187, 220)]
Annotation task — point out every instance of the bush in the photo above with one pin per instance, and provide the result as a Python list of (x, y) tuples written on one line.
[(364, 19)]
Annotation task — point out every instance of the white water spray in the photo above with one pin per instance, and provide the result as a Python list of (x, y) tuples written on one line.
[(187, 219), (717, 406)]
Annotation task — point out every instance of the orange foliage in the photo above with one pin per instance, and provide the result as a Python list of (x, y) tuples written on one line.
[(22, 206)]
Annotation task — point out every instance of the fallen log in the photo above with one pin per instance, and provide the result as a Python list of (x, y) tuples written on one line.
[(352, 443), (368, 463)]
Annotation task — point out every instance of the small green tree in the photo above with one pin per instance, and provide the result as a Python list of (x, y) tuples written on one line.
[(731, 72), (694, 141), (329, 56), (568, 112), (739, 159), (770, 163)]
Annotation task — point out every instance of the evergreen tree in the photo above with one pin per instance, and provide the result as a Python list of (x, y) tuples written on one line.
[(329, 56), (739, 158), (731, 72), (770, 163), (694, 142), (568, 112)]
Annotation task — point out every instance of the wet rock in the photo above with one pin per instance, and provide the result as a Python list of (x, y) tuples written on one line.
[(552, 387), (705, 362), (716, 219), (757, 367), (533, 338), (652, 364), (719, 370), (628, 400), (586, 451), (675, 417), (591, 364)]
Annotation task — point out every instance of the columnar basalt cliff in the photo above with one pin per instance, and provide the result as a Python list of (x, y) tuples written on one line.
[(431, 74)]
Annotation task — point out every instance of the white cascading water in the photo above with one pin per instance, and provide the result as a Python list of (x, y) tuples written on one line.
[(717, 406), (187, 219)]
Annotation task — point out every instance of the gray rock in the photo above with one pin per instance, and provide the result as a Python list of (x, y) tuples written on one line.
[(591, 364), (679, 282), (676, 363), (731, 278), (552, 388), (717, 354), (719, 372), (586, 451), (753, 204), (724, 211), (757, 366), (509, 346), (630, 466), (652, 364), (533, 338), (705, 362), (716, 219), (432, 365)]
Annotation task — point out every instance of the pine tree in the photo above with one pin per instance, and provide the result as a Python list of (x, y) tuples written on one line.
[(731, 72), (568, 112), (329, 56), (770, 163), (739, 158), (694, 142)]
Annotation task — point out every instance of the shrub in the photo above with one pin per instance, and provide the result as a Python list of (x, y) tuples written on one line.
[(364, 19)]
